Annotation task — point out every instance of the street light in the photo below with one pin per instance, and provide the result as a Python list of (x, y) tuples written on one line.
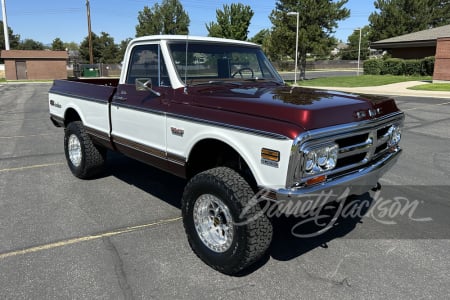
[(359, 49), (5, 25), (292, 13)]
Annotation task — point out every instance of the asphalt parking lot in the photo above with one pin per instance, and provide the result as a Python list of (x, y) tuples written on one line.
[(120, 236)]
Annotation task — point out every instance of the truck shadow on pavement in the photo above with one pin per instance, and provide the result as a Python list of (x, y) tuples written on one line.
[(153, 181), (286, 244), (295, 236)]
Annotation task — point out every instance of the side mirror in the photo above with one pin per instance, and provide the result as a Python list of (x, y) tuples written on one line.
[(145, 84)]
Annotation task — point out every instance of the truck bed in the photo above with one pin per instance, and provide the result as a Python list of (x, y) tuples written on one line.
[(98, 89)]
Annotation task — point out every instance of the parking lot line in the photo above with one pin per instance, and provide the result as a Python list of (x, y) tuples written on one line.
[(31, 167), (26, 136), (86, 238), (22, 120)]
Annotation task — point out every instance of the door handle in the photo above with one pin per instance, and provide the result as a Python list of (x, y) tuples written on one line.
[(119, 98)]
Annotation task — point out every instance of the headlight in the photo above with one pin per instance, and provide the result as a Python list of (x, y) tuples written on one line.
[(310, 161), (319, 159), (395, 135)]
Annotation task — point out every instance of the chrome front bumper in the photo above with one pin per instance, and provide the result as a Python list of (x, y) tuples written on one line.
[(356, 182)]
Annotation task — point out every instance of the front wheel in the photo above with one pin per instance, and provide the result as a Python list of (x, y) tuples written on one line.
[(224, 228), (85, 159)]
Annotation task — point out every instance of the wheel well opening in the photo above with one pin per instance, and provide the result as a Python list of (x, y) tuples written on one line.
[(211, 153), (71, 116)]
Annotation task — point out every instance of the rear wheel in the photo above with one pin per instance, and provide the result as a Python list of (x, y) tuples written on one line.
[(85, 159), (223, 227)]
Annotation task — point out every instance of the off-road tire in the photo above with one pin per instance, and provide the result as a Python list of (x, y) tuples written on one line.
[(252, 231), (92, 158)]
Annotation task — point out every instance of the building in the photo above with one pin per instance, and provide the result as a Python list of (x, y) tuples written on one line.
[(35, 64), (442, 60), (420, 44)]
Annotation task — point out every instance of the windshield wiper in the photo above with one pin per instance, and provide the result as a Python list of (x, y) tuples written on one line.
[(256, 79)]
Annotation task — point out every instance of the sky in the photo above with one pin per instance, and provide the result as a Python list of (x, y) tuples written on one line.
[(45, 20)]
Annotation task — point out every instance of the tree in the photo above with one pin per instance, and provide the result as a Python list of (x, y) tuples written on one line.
[(351, 52), (398, 17), (30, 44), (103, 49), (72, 46), (58, 45), (232, 22), (122, 48), (317, 22), (110, 50), (167, 18), (14, 39), (262, 38)]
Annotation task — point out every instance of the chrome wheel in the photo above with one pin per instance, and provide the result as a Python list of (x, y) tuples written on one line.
[(213, 222), (74, 149)]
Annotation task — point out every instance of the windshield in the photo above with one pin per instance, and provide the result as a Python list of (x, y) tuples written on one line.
[(204, 62)]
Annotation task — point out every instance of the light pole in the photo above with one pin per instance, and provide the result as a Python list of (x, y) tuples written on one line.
[(5, 25), (292, 13), (359, 49)]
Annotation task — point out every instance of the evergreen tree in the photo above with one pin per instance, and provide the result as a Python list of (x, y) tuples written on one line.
[(110, 51), (351, 52), (317, 22), (84, 49), (167, 18), (398, 17), (232, 22), (58, 45), (122, 48), (30, 44), (14, 39), (262, 38), (103, 49)]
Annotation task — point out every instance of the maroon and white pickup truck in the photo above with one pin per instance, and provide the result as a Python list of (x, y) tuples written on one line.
[(216, 112)]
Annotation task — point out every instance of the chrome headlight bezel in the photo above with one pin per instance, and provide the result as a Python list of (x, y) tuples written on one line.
[(395, 135), (318, 159)]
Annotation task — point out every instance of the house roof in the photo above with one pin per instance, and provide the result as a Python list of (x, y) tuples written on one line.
[(33, 54), (424, 38)]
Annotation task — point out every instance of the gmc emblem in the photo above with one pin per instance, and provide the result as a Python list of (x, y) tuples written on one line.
[(371, 112)]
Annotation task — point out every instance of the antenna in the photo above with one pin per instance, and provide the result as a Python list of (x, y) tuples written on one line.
[(186, 64)]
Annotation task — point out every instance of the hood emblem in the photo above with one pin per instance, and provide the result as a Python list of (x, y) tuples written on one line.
[(372, 113)]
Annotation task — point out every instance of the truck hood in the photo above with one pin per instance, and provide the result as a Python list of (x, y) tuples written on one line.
[(305, 107)]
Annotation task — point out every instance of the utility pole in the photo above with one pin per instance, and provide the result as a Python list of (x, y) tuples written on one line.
[(5, 25), (88, 10)]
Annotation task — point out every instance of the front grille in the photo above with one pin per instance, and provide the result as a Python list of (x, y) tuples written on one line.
[(363, 147)]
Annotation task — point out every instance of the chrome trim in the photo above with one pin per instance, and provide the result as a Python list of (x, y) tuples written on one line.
[(229, 126), (138, 108), (355, 149), (349, 127), (356, 182), (333, 133)]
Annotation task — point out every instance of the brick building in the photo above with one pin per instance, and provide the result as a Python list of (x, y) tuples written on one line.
[(420, 44), (442, 63), (35, 64)]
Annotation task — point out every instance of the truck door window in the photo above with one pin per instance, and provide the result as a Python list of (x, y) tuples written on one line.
[(147, 63)]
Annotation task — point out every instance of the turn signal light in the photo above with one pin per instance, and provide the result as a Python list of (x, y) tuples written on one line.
[(316, 180), (269, 154)]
